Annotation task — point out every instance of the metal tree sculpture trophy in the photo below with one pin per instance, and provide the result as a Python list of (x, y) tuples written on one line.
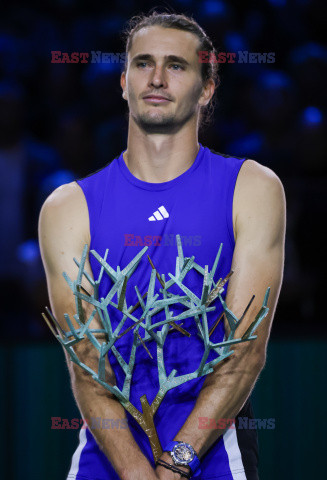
[(153, 331)]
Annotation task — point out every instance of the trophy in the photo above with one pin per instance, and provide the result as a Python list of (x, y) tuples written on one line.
[(154, 331)]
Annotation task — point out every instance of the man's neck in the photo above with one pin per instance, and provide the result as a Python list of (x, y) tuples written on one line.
[(159, 158)]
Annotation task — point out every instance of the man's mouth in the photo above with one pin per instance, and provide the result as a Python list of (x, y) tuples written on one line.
[(155, 99)]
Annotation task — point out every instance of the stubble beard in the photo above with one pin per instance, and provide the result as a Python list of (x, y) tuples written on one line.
[(160, 122), (156, 123)]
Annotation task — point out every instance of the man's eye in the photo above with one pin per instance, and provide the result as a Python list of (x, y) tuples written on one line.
[(176, 66), (141, 64)]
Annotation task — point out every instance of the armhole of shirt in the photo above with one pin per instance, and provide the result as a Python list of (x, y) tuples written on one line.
[(230, 199), (91, 194), (93, 222)]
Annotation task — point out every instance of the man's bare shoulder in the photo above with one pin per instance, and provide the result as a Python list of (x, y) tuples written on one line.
[(66, 201), (253, 172), (257, 182), (68, 194), (65, 213), (259, 194)]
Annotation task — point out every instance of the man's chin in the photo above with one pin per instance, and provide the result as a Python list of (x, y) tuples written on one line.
[(159, 124)]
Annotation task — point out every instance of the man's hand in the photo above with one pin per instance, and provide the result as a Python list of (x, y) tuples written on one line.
[(163, 473), (166, 474)]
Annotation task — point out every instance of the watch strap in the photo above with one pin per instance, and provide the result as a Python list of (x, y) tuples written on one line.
[(194, 464)]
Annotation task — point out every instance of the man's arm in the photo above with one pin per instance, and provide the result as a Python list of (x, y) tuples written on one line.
[(63, 232), (259, 226)]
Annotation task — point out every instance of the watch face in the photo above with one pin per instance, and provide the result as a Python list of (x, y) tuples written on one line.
[(183, 453)]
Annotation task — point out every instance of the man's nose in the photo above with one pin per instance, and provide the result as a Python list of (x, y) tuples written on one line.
[(158, 77)]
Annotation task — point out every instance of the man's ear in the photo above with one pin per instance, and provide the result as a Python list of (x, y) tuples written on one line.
[(207, 92), (123, 85)]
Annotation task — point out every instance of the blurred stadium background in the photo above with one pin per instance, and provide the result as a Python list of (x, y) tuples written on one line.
[(61, 121)]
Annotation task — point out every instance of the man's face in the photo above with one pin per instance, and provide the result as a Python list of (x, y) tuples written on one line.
[(163, 83)]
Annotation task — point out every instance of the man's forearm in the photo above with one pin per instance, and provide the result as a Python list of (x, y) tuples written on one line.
[(118, 444), (222, 396)]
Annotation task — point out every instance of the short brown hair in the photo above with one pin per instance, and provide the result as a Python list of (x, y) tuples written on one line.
[(188, 24)]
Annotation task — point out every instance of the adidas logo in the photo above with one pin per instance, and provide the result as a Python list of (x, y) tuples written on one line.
[(159, 214)]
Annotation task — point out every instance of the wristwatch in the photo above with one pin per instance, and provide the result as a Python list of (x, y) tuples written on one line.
[(183, 453)]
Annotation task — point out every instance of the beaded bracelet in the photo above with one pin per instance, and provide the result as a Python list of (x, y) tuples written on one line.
[(173, 468)]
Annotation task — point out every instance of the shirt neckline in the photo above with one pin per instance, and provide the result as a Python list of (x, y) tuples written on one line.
[(163, 185)]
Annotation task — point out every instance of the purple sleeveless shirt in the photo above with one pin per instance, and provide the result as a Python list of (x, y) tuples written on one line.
[(125, 215)]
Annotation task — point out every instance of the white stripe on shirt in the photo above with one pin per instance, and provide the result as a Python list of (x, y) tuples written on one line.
[(77, 455), (234, 454)]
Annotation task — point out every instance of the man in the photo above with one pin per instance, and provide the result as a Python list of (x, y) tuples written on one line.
[(166, 183)]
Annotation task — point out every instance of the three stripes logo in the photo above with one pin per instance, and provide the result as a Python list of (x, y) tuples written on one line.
[(159, 214)]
